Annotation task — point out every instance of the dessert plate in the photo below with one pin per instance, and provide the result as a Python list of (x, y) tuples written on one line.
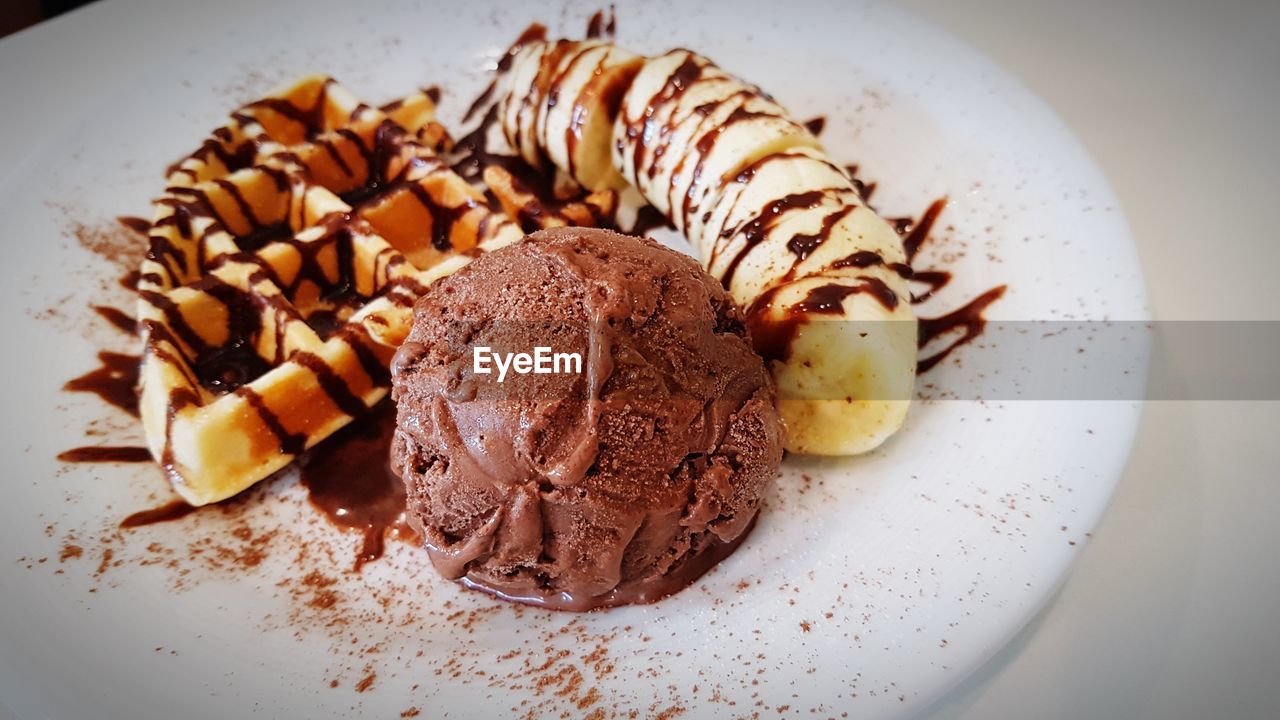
[(869, 586)]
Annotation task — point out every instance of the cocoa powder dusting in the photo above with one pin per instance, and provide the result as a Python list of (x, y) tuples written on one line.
[(121, 242)]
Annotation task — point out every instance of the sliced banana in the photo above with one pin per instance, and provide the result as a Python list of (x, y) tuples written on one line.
[(686, 127), (823, 278), (559, 104)]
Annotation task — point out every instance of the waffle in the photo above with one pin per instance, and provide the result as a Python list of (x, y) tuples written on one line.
[(285, 256)]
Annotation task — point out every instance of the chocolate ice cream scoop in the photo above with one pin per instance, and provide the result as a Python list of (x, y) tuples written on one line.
[(617, 480)]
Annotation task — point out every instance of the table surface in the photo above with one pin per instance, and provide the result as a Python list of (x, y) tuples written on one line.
[(1171, 611)]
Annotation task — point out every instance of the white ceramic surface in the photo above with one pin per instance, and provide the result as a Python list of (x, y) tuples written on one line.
[(868, 589)]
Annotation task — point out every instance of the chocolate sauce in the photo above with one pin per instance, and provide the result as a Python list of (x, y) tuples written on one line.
[(472, 157), (815, 125), (115, 381), (531, 34), (223, 369), (290, 443), (192, 202), (771, 337), (702, 149), (443, 217), (164, 513), (388, 141), (867, 258), (969, 318), (233, 157), (644, 125), (757, 229), (311, 118), (609, 94), (935, 279), (830, 298), (141, 226), (350, 480), (802, 245), (648, 218), (325, 322), (915, 232), (864, 188), (118, 318), (602, 26), (129, 281), (106, 453)]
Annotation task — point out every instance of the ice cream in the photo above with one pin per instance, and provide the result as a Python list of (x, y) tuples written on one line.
[(620, 483)]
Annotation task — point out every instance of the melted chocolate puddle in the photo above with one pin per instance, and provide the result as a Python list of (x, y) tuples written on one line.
[(350, 480), (348, 476)]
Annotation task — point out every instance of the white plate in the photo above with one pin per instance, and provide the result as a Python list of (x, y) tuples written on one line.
[(869, 589)]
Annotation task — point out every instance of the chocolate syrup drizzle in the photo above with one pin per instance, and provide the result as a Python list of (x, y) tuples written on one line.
[(106, 453), (967, 318), (172, 510), (472, 155), (114, 381), (773, 337), (345, 498), (815, 125), (603, 26), (118, 318)]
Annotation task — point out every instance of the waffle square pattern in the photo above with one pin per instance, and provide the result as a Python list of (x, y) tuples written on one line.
[(284, 259)]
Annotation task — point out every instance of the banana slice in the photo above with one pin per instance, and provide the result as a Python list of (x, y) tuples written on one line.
[(823, 278), (686, 127), (825, 283), (835, 326), (559, 104)]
